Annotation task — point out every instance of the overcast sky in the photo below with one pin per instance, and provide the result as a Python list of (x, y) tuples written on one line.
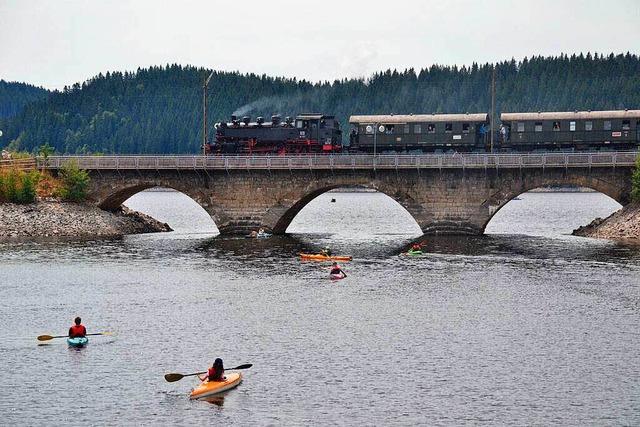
[(53, 43)]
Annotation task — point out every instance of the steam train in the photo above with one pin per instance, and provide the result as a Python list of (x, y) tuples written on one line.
[(307, 133), (432, 133)]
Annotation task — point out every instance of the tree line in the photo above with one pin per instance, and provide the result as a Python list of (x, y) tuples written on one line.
[(159, 110), (14, 96)]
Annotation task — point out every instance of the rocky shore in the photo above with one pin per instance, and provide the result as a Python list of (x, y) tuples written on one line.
[(59, 219), (623, 224)]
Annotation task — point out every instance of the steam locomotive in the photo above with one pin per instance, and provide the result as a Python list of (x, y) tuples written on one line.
[(433, 133), (307, 133)]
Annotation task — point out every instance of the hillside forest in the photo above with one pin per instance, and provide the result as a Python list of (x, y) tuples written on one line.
[(159, 110)]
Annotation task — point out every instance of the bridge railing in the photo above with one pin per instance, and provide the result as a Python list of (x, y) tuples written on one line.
[(25, 164), (347, 161)]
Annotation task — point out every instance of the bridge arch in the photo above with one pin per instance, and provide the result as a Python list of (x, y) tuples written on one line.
[(286, 218), (616, 190)]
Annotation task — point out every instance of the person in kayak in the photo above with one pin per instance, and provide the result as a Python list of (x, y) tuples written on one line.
[(326, 251), (77, 330), (416, 247), (215, 372), (335, 269)]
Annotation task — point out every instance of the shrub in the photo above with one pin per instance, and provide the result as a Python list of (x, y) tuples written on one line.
[(27, 191), (17, 186), (74, 182)]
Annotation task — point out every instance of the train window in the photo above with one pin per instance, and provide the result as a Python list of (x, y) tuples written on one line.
[(572, 126), (556, 126), (607, 125), (448, 127), (389, 129), (626, 125), (406, 129), (520, 127), (417, 128), (538, 127), (431, 128), (465, 127), (588, 126)]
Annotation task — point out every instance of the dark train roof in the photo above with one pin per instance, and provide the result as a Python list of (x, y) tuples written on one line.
[(418, 118), (311, 116), (577, 115)]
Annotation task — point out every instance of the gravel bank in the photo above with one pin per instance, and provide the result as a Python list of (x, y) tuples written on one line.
[(623, 224), (59, 219)]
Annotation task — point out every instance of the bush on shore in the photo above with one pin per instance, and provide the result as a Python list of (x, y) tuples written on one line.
[(18, 186), (74, 182), (27, 186)]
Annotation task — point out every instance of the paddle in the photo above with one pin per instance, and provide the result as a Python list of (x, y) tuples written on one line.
[(50, 337), (177, 377)]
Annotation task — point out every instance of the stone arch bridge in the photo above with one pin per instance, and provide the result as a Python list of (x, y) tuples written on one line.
[(445, 194)]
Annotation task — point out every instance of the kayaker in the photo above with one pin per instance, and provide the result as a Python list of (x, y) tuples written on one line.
[(416, 247), (77, 330), (215, 372), (261, 232), (335, 269), (326, 251)]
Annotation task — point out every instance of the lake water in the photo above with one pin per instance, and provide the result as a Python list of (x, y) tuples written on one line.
[(526, 325)]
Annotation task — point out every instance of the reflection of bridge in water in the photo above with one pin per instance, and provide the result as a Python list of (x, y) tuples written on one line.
[(453, 194)]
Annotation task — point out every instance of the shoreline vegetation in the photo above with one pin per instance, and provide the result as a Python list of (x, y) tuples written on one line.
[(35, 204)]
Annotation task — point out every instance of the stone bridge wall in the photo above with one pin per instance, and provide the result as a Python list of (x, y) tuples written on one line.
[(447, 201)]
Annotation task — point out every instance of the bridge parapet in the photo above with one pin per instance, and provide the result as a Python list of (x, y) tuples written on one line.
[(347, 161)]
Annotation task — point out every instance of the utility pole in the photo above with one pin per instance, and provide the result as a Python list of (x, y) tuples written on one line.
[(493, 104), (205, 82)]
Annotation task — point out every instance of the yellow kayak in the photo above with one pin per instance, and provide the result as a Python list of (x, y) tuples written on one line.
[(321, 257), (209, 388)]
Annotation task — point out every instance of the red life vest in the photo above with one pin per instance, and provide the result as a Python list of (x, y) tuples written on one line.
[(77, 331), (212, 375)]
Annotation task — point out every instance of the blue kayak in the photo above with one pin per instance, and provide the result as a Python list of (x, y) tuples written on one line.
[(78, 342)]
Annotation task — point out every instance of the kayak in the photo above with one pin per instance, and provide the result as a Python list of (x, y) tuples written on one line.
[(257, 236), (336, 276), (414, 252), (78, 342), (210, 388), (321, 257)]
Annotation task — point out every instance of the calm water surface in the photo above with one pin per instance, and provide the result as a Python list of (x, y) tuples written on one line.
[(525, 325)]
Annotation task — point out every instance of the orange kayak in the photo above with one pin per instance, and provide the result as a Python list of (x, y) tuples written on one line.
[(321, 257), (210, 388)]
